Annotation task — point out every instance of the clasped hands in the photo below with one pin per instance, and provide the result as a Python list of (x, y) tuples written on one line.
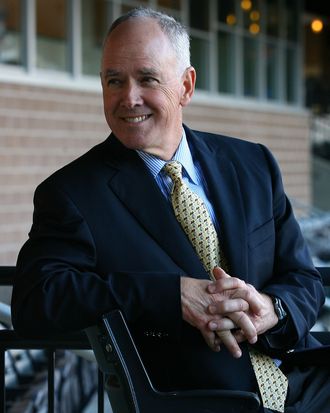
[(227, 311)]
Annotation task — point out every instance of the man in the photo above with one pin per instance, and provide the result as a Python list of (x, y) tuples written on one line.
[(105, 234)]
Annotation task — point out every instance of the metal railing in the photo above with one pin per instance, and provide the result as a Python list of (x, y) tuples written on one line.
[(320, 129), (10, 340)]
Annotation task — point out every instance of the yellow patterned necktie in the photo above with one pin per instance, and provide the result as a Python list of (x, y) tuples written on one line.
[(195, 220)]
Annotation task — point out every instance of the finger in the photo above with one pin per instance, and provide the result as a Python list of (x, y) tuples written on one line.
[(241, 290), (236, 320), (228, 340), (212, 340), (244, 323), (224, 323), (224, 284), (228, 306), (239, 336), (251, 296)]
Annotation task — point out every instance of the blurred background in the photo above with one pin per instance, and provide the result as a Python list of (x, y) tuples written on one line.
[(263, 74)]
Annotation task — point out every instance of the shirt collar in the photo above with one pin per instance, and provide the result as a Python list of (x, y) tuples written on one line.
[(182, 155)]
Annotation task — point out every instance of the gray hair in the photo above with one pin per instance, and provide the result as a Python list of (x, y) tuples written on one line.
[(175, 32)]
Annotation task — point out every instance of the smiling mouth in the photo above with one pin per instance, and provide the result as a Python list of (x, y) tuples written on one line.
[(136, 119)]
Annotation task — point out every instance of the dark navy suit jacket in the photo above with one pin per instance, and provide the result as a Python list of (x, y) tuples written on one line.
[(104, 237)]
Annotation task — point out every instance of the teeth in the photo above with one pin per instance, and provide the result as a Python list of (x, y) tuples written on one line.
[(136, 119)]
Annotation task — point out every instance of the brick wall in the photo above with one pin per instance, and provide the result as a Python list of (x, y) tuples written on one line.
[(286, 134), (42, 129)]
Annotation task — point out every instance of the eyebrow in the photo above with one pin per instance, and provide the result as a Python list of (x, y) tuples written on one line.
[(143, 71), (148, 71), (111, 72)]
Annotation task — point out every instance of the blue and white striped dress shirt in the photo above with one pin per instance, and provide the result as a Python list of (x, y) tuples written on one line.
[(191, 174)]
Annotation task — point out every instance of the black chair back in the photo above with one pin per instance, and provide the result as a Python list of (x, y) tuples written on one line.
[(130, 389)]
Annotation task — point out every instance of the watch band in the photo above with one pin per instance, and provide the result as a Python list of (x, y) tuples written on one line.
[(278, 307)]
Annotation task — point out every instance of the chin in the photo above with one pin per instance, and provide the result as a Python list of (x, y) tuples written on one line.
[(136, 142)]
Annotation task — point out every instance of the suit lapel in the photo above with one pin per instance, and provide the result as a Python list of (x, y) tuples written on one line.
[(136, 188), (225, 195)]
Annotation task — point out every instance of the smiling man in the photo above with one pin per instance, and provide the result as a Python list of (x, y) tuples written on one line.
[(190, 234), (145, 87)]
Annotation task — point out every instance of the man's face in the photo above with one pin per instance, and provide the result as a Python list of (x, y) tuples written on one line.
[(143, 91)]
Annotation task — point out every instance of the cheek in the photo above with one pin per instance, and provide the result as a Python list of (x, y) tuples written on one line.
[(109, 101), (167, 100), (109, 113)]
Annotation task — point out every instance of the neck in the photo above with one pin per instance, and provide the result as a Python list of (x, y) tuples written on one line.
[(167, 151)]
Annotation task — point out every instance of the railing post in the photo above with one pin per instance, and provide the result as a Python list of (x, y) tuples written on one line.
[(2, 381), (100, 392), (51, 380)]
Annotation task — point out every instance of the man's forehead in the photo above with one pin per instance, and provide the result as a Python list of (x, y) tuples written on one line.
[(137, 45)]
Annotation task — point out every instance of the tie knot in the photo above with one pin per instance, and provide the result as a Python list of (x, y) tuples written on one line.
[(174, 170)]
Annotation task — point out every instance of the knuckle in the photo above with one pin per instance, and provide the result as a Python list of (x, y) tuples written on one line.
[(221, 307), (243, 305), (226, 307), (251, 287), (241, 317), (249, 294), (243, 321), (236, 282)]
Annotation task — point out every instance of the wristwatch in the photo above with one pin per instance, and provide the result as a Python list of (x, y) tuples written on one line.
[(279, 310)]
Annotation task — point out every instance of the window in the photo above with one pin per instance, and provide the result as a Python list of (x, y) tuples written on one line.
[(10, 32), (52, 43), (170, 4), (291, 33), (250, 66), (226, 45), (272, 81), (258, 48), (291, 81), (95, 16), (291, 27), (200, 60), (199, 16), (272, 18), (126, 7), (200, 43), (226, 64), (227, 12), (251, 15), (242, 48)]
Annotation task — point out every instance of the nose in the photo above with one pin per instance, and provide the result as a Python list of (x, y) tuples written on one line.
[(131, 96)]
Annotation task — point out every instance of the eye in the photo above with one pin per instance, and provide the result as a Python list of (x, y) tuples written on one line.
[(149, 80), (113, 82)]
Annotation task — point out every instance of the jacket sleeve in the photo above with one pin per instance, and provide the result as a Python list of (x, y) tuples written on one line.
[(295, 280), (58, 287)]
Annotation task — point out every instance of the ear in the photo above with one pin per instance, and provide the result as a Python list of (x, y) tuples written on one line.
[(188, 85)]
